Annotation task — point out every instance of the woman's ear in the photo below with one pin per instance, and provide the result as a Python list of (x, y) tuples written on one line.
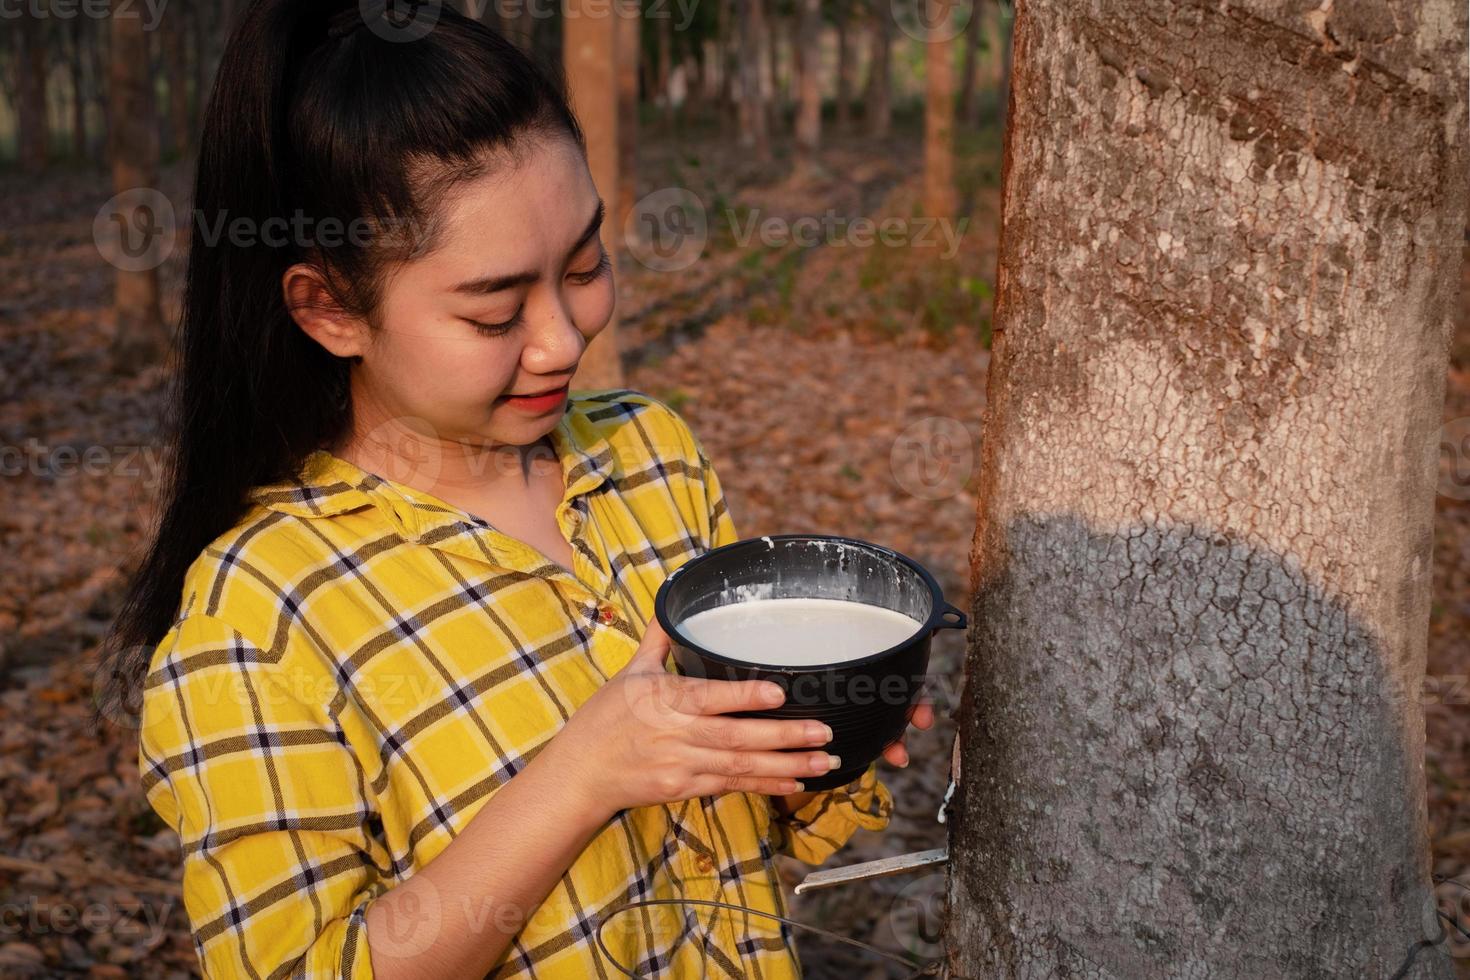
[(311, 304)]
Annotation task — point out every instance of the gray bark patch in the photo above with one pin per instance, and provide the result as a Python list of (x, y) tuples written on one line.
[(1183, 760)]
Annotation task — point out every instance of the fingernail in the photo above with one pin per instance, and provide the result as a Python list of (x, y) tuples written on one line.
[(818, 730), (833, 762), (799, 786), (772, 694)]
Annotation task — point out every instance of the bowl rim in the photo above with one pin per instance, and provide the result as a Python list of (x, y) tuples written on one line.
[(939, 608)]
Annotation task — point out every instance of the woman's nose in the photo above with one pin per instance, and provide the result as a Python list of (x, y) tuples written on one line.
[(556, 343)]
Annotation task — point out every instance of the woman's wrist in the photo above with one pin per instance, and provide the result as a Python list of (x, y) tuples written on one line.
[(572, 775)]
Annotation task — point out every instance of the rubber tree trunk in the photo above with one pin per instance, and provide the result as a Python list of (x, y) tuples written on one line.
[(807, 48), (629, 43), (76, 57), (969, 76), (176, 76), (879, 98), (590, 54), (755, 132), (32, 130), (133, 147), (845, 65), (939, 187), (1192, 741)]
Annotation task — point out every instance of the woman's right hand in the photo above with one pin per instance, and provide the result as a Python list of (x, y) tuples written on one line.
[(649, 736)]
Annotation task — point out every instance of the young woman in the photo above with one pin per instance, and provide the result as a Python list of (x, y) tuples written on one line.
[(402, 694)]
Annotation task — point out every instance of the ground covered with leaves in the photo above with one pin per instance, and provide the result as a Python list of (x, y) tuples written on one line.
[(838, 387)]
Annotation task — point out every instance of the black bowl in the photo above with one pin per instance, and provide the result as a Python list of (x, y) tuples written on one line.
[(865, 701)]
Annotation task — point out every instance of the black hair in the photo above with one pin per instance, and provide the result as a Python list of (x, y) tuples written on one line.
[(332, 114)]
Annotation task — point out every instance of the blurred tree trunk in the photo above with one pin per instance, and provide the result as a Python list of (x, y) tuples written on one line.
[(140, 339), (845, 65), (970, 78), (666, 67), (879, 100), (629, 29), (732, 65), (939, 190), (1192, 738), (755, 130), (33, 135), (77, 64), (176, 70), (590, 51), (775, 101), (1005, 19), (99, 58), (807, 47), (205, 59)]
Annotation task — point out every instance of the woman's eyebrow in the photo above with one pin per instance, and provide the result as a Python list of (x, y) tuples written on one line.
[(494, 284)]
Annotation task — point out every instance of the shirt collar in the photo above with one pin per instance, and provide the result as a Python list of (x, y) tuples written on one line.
[(328, 485)]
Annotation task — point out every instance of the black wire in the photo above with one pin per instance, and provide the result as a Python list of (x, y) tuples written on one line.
[(930, 969), (935, 967)]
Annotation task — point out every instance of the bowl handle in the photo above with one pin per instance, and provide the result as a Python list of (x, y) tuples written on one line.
[(952, 619)]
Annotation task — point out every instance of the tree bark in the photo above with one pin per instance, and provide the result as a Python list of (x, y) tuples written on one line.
[(629, 42), (755, 132), (77, 63), (939, 189), (879, 109), (1192, 741), (665, 72), (807, 47), (140, 338), (590, 53), (969, 78), (176, 65), (845, 64)]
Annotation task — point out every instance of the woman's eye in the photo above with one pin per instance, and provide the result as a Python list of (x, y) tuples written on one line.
[(604, 263), (496, 329)]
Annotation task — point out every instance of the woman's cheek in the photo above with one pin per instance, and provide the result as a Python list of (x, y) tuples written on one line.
[(593, 306)]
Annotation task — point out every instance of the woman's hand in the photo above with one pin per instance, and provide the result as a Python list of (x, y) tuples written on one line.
[(921, 715), (649, 736)]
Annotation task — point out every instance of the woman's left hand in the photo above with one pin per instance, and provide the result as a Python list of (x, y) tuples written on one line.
[(921, 715)]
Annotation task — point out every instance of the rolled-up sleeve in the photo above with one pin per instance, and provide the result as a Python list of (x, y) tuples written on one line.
[(258, 780), (825, 823)]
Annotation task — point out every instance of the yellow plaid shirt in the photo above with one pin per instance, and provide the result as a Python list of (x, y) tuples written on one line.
[(357, 666)]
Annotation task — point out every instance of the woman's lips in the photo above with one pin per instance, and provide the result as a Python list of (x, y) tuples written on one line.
[(538, 403)]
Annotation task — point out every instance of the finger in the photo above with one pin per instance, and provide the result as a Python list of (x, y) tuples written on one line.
[(713, 697), (733, 766), (711, 785), (652, 649), (720, 732), (923, 716), (897, 753)]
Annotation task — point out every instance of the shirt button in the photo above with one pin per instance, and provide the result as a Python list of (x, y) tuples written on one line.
[(608, 614), (703, 862)]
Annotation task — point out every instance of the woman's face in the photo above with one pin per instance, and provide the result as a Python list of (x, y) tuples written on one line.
[(515, 288)]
